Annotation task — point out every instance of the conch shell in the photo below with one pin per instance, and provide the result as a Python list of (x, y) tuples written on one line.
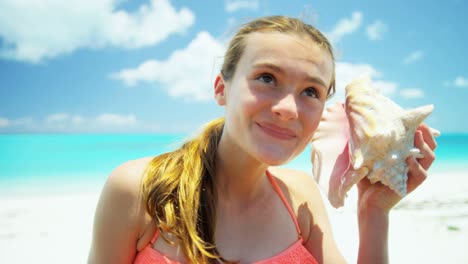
[(370, 136)]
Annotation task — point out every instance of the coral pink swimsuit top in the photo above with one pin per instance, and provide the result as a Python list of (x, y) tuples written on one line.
[(296, 253)]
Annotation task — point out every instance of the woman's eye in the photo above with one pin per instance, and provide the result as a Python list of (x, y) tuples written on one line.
[(312, 92), (266, 78)]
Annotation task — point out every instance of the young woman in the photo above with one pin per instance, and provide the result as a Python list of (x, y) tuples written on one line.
[(217, 198)]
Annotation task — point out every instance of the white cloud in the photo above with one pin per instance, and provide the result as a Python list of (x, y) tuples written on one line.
[(36, 30), (412, 93), (116, 120), (72, 123), (57, 118), (77, 120), (413, 57), (187, 73), (385, 87), (108, 119), (235, 5), (4, 122), (460, 82), (348, 72), (23, 122), (376, 30), (344, 27)]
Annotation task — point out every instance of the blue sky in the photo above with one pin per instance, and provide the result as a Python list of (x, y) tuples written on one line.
[(116, 66)]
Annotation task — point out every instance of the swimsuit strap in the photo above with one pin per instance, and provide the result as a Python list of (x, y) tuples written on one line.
[(155, 236), (278, 191), (285, 201)]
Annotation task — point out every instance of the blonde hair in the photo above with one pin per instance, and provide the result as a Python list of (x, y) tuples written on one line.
[(179, 186)]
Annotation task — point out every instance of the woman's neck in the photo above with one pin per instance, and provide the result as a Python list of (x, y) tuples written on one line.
[(240, 178)]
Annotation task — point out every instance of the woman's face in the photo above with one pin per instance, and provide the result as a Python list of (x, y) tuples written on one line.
[(274, 100)]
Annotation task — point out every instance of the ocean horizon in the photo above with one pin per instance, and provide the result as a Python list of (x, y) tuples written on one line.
[(50, 186), (34, 163)]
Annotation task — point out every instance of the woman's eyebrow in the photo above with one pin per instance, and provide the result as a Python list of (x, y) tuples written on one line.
[(317, 80), (269, 65), (276, 68)]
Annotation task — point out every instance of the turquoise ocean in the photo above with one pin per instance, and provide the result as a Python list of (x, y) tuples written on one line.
[(55, 163)]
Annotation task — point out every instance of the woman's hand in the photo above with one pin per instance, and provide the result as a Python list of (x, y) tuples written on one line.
[(379, 197), (376, 200)]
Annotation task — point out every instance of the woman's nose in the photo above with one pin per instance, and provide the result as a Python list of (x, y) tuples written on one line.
[(286, 107)]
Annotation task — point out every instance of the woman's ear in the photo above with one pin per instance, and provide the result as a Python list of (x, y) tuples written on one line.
[(219, 90)]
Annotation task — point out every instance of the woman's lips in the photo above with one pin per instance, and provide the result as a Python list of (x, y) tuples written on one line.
[(276, 131)]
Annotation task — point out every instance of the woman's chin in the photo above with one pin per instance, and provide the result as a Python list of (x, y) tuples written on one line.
[(276, 160)]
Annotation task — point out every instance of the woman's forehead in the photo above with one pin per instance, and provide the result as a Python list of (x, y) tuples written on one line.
[(285, 50), (260, 45)]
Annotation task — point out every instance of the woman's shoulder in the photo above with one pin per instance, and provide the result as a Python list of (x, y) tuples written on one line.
[(127, 176), (122, 189), (304, 196), (120, 218), (299, 183), (309, 206), (301, 188)]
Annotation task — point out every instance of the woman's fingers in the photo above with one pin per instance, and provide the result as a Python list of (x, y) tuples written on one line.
[(416, 174), (425, 147), (425, 142), (428, 136)]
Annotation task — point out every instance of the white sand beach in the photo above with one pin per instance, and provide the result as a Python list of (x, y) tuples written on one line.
[(429, 226)]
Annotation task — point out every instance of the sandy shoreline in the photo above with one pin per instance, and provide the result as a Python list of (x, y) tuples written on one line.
[(46, 229), (429, 226)]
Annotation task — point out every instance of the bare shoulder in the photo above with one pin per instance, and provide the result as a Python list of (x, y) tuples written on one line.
[(122, 192), (127, 177), (309, 207), (120, 216), (303, 193), (300, 184)]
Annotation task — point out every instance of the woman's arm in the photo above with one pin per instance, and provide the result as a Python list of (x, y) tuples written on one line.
[(376, 200), (119, 216), (373, 236)]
